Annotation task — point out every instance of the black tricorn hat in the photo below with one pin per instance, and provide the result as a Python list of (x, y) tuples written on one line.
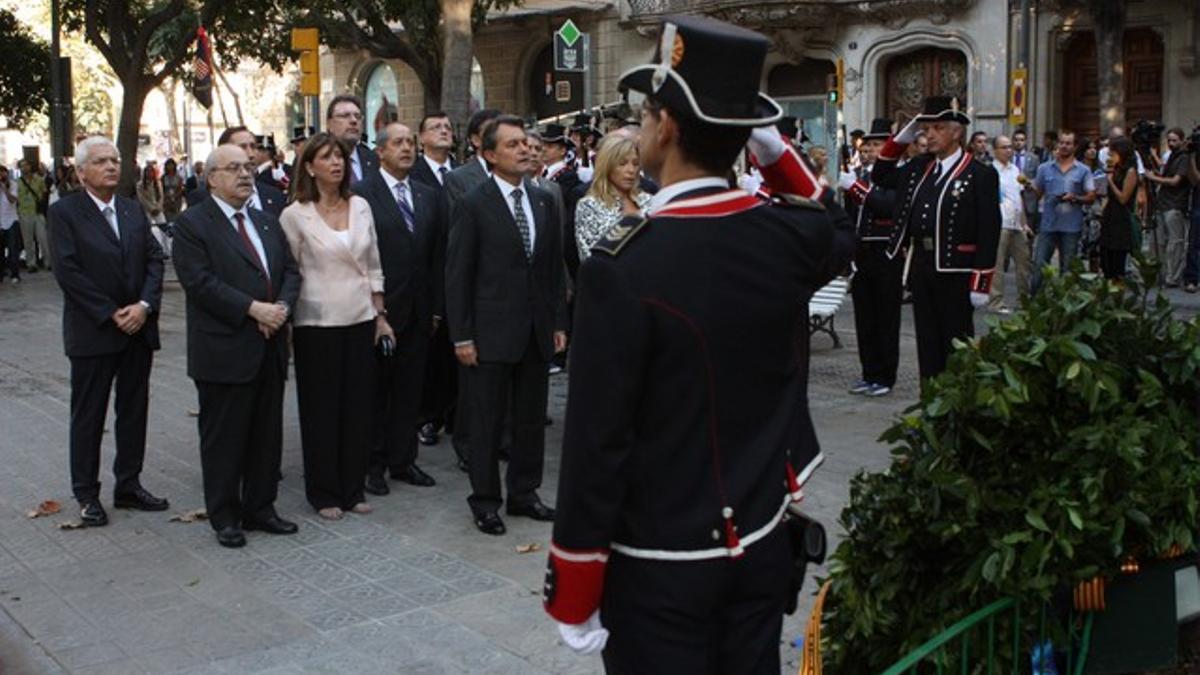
[(944, 109), (708, 69), (881, 129), (787, 126), (582, 121), (301, 133), (556, 133), (260, 140)]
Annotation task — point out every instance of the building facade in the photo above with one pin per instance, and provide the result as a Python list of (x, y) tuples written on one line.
[(894, 52)]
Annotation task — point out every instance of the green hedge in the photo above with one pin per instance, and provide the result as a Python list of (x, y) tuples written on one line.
[(1051, 449)]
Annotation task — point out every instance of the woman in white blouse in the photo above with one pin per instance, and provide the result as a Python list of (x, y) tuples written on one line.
[(339, 319), (614, 192)]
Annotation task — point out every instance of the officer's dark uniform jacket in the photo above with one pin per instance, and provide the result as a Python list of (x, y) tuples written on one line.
[(688, 431), (964, 209), (871, 206)]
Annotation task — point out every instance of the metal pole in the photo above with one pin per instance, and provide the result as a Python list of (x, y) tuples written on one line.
[(587, 73), (1023, 37), (57, 143), (187, 134)]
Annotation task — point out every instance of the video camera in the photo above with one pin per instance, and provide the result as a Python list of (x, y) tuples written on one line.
[(1147, 134), (1193, 143)]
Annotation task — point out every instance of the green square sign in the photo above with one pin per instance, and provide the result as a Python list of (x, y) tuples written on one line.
[(569, 32)]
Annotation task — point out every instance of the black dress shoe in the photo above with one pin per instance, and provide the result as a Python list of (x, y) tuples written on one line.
[(428, 434), (231, 537), (140, 499), (271, 525), (490, 523), (413, 475), (92, 514), (535, 509), (376, 485)]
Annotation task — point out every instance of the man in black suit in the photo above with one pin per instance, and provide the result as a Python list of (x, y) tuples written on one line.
[(471, 174), (432, 167), (504, 297), (110, 268), (435, 162), (344, 119), (410, 230), (263, 197), (235, 265)]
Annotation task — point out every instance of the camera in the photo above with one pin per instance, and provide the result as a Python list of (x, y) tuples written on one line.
[(1147, 134), (1193, 143)]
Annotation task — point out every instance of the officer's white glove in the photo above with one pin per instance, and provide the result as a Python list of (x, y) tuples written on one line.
[(766, 144), (584, 638), (846, 180), (909, 133), (979, 299)]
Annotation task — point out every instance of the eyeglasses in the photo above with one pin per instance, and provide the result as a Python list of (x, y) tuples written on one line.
[(248, 167), (357, 116)]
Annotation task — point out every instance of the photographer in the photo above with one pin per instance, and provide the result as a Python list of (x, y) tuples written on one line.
[(1171, 205)]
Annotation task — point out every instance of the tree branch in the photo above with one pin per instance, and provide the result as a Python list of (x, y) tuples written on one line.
[(92, 30), (155, 21)]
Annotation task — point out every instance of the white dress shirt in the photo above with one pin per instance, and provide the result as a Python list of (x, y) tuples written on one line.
[(1012, 209), (437, 168), (112, 205), (8, 211), (506, 190), (669, 192), (251, 230), (949, 163)]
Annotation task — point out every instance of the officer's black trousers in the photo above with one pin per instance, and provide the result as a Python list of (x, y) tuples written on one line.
[(713, 616), (877, 294), (942, 312)]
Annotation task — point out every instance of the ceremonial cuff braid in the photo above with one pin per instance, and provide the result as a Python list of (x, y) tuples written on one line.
[(892, 150), (981, 281), (858, 191), (574, 583), (790, 175)]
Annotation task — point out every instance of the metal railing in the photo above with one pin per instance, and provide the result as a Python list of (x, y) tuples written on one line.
[(956, 640)]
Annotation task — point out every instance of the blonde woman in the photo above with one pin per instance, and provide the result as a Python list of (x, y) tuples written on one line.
[(614, 193)]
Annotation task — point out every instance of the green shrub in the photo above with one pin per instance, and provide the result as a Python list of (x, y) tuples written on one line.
[(1051, 449)]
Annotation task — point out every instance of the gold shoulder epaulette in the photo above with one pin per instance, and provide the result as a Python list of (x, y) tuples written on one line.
[(787, 199), (620, 234)]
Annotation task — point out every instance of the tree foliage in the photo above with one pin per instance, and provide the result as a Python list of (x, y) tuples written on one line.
[(25, 75), (1052, 449)]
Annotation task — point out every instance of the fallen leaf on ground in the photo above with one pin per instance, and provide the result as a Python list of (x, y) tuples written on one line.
[(193, 582), (528, 548), (193, 413), (71, 525), (46, 508), (190, 516)]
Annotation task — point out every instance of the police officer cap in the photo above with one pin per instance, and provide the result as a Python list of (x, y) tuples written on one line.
[(708, 69)]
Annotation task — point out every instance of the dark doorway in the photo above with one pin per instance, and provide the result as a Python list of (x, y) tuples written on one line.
[(1143, 66), (546, 84), (930, 71)]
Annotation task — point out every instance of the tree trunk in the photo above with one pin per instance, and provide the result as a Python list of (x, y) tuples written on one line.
[(431, 86), (1109, 17), (168, 91), (459, 53), (133, 100)]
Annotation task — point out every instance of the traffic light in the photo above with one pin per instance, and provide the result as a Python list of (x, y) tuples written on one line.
[(307, 42), (837, 83)]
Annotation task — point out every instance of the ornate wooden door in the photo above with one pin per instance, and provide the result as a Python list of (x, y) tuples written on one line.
[(926, 72), (1143, 67)]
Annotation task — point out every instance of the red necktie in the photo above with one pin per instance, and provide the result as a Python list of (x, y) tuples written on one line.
[(241, 223)]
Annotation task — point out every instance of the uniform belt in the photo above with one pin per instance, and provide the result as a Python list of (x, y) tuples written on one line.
[(706, 553)]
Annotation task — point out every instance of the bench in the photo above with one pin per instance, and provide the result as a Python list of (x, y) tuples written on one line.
[(824, 306)]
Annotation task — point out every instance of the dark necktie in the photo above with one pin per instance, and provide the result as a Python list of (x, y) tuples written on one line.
[(442, 171), (241, 224), (522, 224), (402, 202), (937, 170)]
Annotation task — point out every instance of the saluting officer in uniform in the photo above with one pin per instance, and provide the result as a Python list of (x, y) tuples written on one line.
[(687, 432), (948, 217), (877, 288)]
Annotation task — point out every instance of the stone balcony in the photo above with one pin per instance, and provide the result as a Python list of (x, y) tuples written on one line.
[(783, 14)]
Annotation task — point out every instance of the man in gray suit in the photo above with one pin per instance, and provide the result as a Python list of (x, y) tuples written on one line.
[(473, 173)]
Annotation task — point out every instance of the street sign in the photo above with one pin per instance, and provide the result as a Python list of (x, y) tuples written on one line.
[(1018, 97), (571, 47)]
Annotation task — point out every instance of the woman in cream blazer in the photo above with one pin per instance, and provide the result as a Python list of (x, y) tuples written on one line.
[(338, 321)]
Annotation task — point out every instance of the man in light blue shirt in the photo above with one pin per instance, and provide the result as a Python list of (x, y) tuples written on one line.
[(1064, 186)]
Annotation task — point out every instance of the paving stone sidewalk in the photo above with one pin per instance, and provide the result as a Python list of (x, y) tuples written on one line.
[(411, 588)]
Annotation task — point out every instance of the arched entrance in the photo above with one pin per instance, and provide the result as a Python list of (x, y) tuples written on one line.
[(1143, 68), (930, 71), (382, 100), (551, 92)]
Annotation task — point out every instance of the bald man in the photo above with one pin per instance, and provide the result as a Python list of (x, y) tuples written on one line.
[(410, 225)]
